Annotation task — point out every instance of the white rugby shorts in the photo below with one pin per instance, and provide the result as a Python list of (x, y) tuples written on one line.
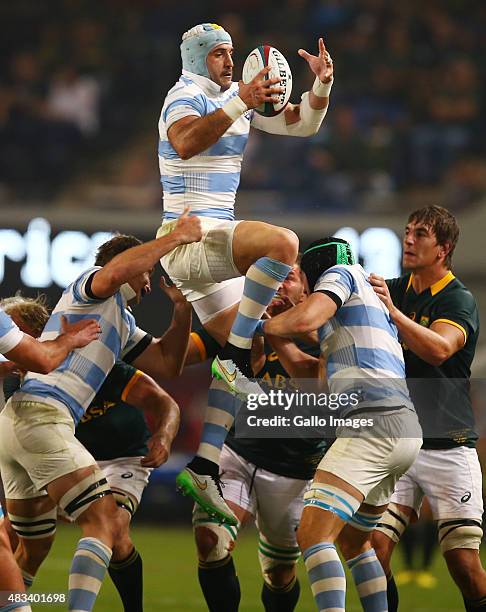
[(275, 501), (37, 445), (372, 465), (206, 268), (126, 474), (450, 478)]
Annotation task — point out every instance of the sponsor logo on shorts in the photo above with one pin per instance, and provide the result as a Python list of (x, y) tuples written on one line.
[(127, 475), (466, 497)]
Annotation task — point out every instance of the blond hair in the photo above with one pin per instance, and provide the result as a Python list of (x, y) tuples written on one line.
[(32, 311)]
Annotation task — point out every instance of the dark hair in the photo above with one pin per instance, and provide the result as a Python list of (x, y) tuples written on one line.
[(322, 255), (442, 223), (114, 246)]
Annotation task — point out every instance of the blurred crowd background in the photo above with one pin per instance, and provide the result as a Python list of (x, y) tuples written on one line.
[(81, 85)]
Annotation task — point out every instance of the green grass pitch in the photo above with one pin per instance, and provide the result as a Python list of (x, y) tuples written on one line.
[(171, 578)]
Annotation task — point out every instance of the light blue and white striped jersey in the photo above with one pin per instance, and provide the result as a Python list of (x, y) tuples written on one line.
[(10, 334), (361, 342), (76, 381), (208, 181)]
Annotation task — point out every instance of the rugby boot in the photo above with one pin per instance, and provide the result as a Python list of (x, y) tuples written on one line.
[(206, 492)]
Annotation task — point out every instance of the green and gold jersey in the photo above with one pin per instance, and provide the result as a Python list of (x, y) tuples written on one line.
[(294, 458), (111, 428), (444, 406)]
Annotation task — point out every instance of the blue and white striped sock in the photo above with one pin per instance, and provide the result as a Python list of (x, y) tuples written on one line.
[(370, 581), (88, 569), (262, 280), (220, 415), (326, 575)]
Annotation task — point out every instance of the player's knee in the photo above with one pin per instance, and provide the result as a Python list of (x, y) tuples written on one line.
[(214, 542), (279, 576), (285, 245), (33, 552)]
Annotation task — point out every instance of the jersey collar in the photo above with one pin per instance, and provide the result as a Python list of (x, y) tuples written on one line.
[(209, 87), (436, 287)]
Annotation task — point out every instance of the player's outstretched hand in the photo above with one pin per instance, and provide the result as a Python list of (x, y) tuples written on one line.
[(381, 289), (260, 90), (159, 451), (82, 332), (321, 65), (188, 228), (171, 291)]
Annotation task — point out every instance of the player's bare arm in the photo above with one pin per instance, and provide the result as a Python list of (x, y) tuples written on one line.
[(435, 344), (165, 356), (305, 317), (43, 357), (163, 415), (191, 135), (322, 66), (297, 363), (142, 258)]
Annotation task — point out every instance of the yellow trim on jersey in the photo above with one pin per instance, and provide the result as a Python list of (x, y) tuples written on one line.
[(130, 384), (443, 282), (436, 287), (200, 346), (455, 325)]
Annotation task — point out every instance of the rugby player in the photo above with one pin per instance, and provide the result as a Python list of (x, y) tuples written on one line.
[(355, 479), (38, 450), (438, 323), (42, 357), (265, 480), (203, 128), (115, 432)]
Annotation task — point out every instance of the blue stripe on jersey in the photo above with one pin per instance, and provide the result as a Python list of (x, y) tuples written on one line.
[(85, 369), (54, 322), (216, 213), (199, 182), (198, 103), (226, 145), (1, 511), (346, 279), (354, 356), (365, 316), (36, 387)]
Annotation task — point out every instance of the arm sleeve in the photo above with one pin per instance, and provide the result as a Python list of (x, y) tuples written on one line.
[(186, 105), (82, 291), (138, 340), (10, 334), (458, 309), (338, 281), (117, 384)]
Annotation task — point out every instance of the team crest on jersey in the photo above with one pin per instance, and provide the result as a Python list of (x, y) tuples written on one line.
[(424, 321)]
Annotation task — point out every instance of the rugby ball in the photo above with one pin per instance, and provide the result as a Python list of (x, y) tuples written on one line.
[(266, 55)]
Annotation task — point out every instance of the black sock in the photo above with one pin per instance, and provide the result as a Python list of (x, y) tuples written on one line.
[(127, 576), (391, 593), (220, 585), (281, 600), (475, 605), (240, 357), (203, 466)]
